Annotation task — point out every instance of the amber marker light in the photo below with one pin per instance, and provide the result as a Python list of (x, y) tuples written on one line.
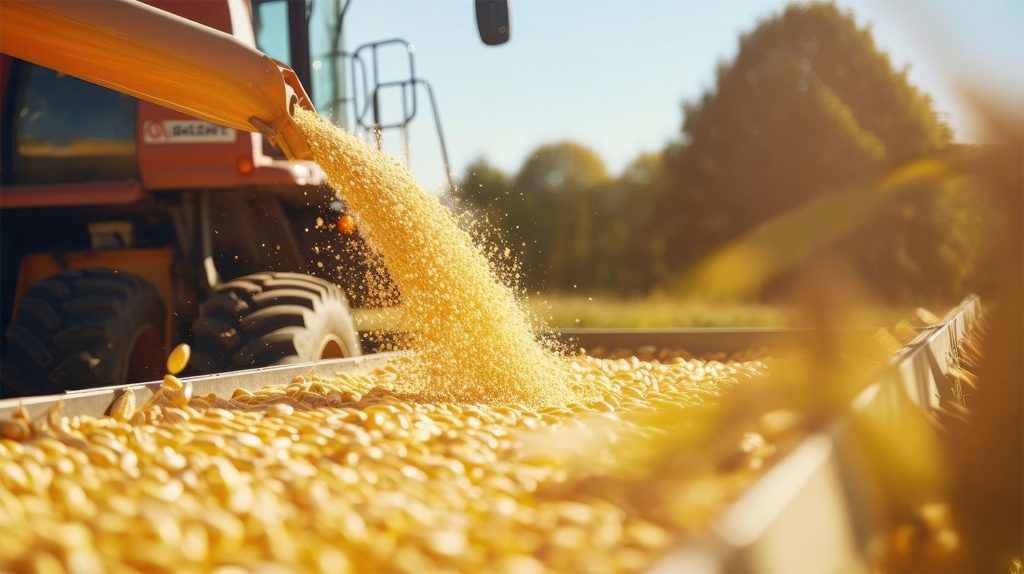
[(245, 166)]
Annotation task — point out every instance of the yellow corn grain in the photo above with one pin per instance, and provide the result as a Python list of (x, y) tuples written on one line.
[(181, 397), (171, 384), (123, 408), (178, 359), (17, 430)]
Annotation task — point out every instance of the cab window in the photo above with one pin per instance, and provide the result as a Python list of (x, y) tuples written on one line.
[(70, 130), (270, 20)]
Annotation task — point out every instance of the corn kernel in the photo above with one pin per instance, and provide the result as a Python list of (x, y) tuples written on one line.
[(178, 359), (171, 384), (123, 408)]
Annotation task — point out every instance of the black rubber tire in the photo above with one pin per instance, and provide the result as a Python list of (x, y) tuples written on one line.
[(79, 328), (271, 318), (12, 382)]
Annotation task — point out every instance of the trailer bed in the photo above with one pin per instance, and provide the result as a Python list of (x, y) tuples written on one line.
[(811, 499)]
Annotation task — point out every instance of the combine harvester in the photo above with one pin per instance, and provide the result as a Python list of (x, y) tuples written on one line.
[(200, 194), (814, 497)]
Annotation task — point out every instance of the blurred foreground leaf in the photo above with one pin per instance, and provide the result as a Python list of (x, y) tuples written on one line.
[(742, 267)]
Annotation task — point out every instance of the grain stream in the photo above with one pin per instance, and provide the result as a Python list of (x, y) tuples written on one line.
[(472, 339)]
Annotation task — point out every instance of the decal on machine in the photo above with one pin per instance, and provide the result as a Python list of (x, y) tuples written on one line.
[(185, 131)]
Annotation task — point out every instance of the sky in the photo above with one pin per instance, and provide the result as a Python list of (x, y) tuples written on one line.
[(613, 75)]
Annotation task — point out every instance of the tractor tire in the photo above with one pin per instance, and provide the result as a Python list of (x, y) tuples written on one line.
[(12, 382), (272, 318), (84, 328)]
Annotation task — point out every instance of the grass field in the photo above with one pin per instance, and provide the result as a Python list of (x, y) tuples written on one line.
[(581, 311), (595, 311), (561, 311)]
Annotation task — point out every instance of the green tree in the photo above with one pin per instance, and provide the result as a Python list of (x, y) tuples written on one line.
[(484, 186), (809, 106), (554, 217), (561, 168), (484, 198), (570, 224), (626, 256)]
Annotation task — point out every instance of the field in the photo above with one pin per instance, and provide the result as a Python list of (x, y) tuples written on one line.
[(579, 311), (562, 311)]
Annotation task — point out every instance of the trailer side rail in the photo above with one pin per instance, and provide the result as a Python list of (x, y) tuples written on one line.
[(806, 514)]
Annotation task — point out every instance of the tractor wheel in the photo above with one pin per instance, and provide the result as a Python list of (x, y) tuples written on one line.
[(84, 328), (12, 382), (272, 319)]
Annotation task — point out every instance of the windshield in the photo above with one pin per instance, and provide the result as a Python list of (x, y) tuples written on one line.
[(278, 36), (270, 21), (326, 65)]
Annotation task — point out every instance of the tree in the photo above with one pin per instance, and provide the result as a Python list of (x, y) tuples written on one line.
[(627, 257), (484, 199), (809, 106), (561, 168), (483, 186), (551, 215), (570, 224)]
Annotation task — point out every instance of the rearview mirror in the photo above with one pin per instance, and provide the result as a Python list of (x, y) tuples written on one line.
[(492, 21)]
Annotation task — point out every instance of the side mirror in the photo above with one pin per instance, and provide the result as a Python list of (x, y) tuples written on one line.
[(492, 21)]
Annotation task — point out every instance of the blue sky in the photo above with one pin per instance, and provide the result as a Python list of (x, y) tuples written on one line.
[(613, 74)]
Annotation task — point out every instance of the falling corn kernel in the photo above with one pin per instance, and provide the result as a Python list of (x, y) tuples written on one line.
[(472, 339), (178, 359)]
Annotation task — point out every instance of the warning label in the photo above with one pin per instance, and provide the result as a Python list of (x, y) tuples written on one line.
[(185, 131)]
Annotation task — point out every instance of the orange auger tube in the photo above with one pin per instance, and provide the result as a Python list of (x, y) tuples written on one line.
[(154, 55)]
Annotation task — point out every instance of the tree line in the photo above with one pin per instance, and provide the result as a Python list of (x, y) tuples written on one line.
[(808, 107)]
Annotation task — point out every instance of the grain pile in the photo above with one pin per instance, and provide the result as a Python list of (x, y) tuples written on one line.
[(343, 475), (472, 340)]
